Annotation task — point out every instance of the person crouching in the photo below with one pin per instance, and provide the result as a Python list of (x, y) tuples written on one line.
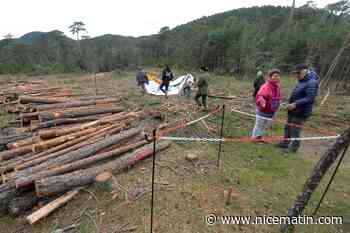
[(267, 103)]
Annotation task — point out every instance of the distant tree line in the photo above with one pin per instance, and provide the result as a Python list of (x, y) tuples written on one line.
[(259, 36)]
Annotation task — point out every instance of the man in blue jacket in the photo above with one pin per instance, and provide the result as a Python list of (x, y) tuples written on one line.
[(300, 106)]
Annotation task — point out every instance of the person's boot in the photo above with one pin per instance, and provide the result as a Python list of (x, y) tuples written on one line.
[(283, 144)]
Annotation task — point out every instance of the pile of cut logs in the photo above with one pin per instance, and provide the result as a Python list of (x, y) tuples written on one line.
[(63, 144)]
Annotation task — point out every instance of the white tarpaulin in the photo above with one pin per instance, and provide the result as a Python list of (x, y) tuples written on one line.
[(175, 87)]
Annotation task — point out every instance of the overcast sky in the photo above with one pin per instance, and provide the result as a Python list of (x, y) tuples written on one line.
[(127, 17)]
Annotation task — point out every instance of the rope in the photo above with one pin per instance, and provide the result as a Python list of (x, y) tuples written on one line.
[(247, 139), (186, 123), (321, 131)]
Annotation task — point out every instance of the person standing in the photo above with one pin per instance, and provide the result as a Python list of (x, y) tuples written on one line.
[(142, 80), (267, 103), (300, 106), (202, 84), (167, 76), (258, 82)]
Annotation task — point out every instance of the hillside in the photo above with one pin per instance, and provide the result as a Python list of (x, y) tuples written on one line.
[(257, 36)]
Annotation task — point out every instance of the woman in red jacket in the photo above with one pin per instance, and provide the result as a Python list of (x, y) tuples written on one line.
[(267, 103)]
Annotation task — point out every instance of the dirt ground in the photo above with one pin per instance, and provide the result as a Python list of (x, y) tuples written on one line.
[(263, 179)]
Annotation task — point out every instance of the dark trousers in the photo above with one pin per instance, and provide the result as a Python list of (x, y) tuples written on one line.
[(166, 85), (291, 131), (204, 99)]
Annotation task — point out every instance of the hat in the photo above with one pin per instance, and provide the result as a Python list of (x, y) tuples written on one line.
[(300, 67), (274, 71)]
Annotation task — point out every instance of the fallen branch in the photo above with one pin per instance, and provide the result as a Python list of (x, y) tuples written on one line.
[(52, 206)]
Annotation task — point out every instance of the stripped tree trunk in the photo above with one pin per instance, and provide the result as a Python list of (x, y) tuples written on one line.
[(57, 184), (317, 174), (49, 208)]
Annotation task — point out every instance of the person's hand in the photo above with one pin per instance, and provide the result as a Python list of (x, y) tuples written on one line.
[(291, 106), (263, 104)]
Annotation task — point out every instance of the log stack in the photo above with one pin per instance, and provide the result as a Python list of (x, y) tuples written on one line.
[(64, 143)]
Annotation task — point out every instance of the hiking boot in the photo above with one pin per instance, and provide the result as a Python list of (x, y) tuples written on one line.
[(293, 150), (282, 144)]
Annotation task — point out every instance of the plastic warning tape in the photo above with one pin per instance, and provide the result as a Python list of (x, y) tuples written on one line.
[(248, 139), (321, 131)]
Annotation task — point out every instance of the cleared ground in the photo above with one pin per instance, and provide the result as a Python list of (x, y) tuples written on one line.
[(265, 180)]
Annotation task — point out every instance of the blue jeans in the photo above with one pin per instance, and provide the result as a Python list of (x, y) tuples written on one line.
[(291, 131), (166, 85)]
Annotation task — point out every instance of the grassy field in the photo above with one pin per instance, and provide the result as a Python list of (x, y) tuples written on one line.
[(265, 180)]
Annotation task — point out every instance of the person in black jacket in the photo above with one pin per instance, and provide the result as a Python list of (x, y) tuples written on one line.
[(300, 106), (258, 82), (167, 76)]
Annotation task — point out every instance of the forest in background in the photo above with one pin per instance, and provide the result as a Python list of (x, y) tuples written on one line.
[(253, 37)]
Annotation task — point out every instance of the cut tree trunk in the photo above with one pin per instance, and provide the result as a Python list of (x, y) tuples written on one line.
[(52, 206), (40, 100), (80, 164), (24, 142), (81, 153), (64, 148), (47, 116), (7, 193), (57, 184), (65, 121), (74, 104), (19, 205), (318, 173), (6, 155)]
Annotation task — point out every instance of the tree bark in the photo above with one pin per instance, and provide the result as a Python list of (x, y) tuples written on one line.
[(40, 100), (19, 205), (65, 121), (56, 184), (318, 173), (93, 138), (80, 164), (81, 153), (7, 193), (47, 116), (74, 104)]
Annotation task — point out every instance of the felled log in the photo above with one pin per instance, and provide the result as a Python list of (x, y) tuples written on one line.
[(89, 150), (7, 193), (80, 164), (9, 154), (73, 104), (41, 100), (6, 155), (24, 142), (57, 141), (66, 148), (19, 205), (61, 132), (52, 206), (57, 184), (84, 150), (47, 116), (64, 121)]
